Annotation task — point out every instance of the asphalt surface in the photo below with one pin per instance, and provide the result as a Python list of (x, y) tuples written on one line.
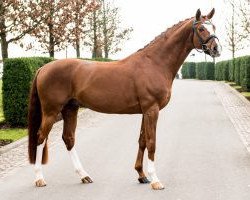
[(199, 156)]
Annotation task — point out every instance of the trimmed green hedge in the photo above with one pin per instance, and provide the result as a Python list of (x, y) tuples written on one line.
[(205, 70), (245, 73), (222, 71), (237, 70), (191, 70), (200, 71), (18, 74), (184, 70), (218, 71), (188, 70), (209, 71), (231, 70)]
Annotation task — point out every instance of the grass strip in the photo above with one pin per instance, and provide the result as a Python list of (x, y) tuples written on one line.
[(12, 134), (1, 103)]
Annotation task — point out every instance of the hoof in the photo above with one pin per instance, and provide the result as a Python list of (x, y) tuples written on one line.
[(143, 180), (86, 180), (40, 183), (157, 186)]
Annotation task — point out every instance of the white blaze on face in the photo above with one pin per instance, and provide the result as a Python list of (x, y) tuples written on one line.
[(211, 29), (209, 26), (219, 47)]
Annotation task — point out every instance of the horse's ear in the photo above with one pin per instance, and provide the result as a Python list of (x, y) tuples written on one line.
[(198, 15), (211, 14)]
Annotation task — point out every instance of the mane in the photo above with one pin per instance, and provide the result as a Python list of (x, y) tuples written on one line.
[(164, 33)]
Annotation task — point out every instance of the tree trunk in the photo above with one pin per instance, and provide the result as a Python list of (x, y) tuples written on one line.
[(95, 35), (98, 49), (233, 36), (106, 53), (52, 53), (51, 42), (233, 52), (4, 46), (51, 30), (233, 56), (105, 32), (4, 43), (77, 33), (77, 48)]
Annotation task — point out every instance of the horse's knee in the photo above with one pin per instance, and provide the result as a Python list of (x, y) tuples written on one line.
[(69, 142)]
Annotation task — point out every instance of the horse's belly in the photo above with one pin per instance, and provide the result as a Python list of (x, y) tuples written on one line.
[(112, 110), (110, 104)]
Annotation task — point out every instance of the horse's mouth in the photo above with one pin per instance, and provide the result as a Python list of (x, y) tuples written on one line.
[(213, 53)]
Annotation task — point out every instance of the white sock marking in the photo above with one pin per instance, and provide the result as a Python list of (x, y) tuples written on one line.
[(77, 164), (38, 164), (152, 171)]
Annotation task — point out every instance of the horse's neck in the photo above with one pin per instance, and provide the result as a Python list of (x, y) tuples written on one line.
[(169, 53)]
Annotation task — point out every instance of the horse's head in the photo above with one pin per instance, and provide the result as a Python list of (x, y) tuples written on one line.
[(204, 37)]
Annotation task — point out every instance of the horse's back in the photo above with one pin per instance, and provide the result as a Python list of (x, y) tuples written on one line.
[(107, 87), (102, 86)]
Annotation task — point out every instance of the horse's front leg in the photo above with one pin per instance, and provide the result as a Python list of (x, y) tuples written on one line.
[(150, 122), (139, 160)]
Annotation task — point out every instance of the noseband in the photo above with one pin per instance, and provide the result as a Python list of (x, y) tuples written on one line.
[(202, 42)]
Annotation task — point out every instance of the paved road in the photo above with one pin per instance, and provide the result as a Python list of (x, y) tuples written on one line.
[(199, 156)]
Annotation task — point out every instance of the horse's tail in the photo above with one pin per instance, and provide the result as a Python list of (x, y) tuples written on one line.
[(34, 122)]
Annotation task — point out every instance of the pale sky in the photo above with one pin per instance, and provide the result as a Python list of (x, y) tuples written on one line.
[(149, 19)]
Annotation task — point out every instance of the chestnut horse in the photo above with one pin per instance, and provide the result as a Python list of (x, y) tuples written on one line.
[(140, 83)]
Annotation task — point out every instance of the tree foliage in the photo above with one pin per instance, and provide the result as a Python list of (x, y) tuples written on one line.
[(234, 31), (18, 18), (106, 34), (52, 32), (78, 27), (55, 24), (245, 15), (113, 34)]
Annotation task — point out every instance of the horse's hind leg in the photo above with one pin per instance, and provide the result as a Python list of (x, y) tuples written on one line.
[(69, 114), (139, 160), (39, 181), (41, 152)]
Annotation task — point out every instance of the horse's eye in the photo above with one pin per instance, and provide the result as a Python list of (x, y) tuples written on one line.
[(201, 29)]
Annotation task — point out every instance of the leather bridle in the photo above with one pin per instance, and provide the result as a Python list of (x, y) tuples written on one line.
[(202, 42)]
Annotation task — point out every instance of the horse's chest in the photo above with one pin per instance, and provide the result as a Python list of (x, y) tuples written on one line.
[(153, 91), (164, 100), (161, 96)]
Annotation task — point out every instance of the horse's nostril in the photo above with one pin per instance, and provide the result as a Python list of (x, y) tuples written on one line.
[(215, 48)]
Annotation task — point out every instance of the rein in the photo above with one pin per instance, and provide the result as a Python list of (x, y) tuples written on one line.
[(202, 42)]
